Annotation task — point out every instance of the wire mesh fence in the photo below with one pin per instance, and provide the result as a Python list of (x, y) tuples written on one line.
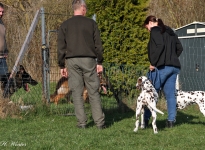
[(65, 106), (120, 83), (24, 92), (120, 79)]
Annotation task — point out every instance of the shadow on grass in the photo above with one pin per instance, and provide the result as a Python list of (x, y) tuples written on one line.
[(115, 115), (181, 118)]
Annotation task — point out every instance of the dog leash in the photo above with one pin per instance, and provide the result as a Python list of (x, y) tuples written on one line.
[(154, 77)]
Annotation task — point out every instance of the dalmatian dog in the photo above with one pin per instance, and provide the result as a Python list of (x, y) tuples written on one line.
[(147, 98), (191, 97)]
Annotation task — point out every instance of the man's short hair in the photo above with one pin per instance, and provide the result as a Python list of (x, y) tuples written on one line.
[(1, 5), (76, 4)]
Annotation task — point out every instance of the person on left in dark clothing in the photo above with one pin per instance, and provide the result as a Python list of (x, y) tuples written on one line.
[(3, 46)]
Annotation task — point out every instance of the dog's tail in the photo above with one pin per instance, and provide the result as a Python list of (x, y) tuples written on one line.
[(157, 110)]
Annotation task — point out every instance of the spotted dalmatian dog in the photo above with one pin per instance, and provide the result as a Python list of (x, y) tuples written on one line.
[(191, 97), (147, 98)]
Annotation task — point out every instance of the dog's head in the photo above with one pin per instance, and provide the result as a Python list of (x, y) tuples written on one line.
[(141, 81), (22, 79), (144, 83)]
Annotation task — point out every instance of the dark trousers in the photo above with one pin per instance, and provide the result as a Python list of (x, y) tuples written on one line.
[(3, 66), (82, 72)]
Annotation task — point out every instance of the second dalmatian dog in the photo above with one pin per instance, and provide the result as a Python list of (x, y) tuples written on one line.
[(191, 97)]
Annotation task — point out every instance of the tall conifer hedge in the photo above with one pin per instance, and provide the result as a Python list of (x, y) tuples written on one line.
[(120, 22), (124, 42)]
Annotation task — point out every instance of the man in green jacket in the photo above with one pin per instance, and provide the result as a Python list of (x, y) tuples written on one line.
[(80, 48)]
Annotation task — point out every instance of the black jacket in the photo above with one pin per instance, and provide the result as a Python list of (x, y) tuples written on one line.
[(164, 48), (79, 37)]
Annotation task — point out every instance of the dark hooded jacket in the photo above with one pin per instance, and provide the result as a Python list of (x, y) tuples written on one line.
[(164, 48)]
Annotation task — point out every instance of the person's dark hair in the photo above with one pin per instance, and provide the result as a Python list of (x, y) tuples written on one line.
[(1, 5), (155, 19)]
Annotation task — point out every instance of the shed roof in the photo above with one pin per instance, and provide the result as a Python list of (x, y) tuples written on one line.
[(192, 30)]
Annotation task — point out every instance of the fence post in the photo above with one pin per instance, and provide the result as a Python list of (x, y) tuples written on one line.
[(45, 56)]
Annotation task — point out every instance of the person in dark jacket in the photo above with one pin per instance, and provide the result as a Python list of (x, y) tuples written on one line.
[(80, 47), (164, 48), (3, 46)]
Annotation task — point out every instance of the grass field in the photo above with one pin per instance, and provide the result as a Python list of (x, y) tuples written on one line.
[(42, 131)]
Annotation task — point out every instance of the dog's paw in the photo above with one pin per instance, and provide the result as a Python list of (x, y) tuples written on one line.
[(142, 126), (135, 129)]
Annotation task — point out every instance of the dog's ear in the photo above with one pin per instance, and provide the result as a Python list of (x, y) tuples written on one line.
[(139, 82), (21, 68)]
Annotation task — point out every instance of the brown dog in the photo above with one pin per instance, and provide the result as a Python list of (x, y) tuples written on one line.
[(63, 90)]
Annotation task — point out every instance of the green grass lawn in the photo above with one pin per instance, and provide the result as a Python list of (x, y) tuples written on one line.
[(37, 131)]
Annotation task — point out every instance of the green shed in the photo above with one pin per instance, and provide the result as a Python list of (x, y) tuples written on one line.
[(192, 74)]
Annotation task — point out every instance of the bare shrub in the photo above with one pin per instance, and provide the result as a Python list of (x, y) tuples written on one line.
[(177, 13), (18, 18)]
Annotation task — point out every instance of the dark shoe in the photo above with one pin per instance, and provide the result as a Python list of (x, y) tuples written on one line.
[(101, 127), (146, 123), (81, 126), (170, 124)]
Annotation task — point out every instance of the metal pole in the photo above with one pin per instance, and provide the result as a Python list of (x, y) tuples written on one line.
[(43, 28), (45, 54)]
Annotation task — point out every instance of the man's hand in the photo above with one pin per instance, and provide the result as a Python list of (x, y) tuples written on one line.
[(64, 72), (99, 68)]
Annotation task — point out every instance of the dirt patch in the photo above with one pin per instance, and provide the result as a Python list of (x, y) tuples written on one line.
[(8, 109)]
